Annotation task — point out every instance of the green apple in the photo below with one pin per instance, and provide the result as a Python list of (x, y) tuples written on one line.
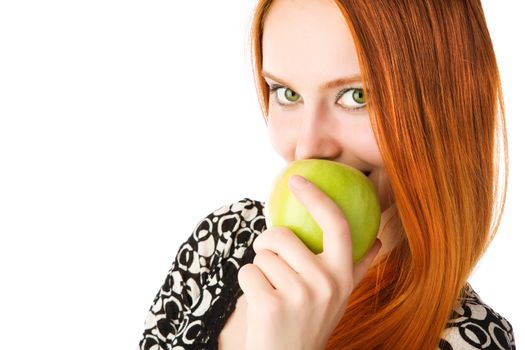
[(348, 187)]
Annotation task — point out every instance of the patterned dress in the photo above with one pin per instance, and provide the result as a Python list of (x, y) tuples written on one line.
[(201, 290)]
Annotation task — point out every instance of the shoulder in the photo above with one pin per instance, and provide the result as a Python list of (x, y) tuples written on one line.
[(475, 325)]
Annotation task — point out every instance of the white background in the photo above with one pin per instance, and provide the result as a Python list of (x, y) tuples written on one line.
[(122, 124)]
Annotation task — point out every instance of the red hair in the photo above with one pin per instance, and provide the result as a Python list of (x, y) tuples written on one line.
[(436, 107)]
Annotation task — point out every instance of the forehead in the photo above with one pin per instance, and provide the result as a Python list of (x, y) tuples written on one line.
[(307, 39)]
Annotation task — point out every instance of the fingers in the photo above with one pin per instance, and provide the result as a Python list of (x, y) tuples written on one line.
[(270, 273), (284, 263), (337, 241), (282, 241), (253, 283)]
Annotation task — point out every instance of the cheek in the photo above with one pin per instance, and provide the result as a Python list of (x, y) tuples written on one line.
[(362, 141), (282, 136), (371, 152)]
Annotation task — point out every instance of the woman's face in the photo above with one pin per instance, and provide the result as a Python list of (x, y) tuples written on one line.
[(306, 45)]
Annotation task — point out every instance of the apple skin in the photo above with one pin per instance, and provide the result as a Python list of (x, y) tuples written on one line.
[(348, 187)]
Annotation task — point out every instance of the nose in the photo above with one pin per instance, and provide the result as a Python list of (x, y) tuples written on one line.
[(317, 138)]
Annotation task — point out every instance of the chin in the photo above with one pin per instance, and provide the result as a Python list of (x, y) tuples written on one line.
[(382, 185)]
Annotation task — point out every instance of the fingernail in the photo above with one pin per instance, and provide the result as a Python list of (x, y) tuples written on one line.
[(298, 182)]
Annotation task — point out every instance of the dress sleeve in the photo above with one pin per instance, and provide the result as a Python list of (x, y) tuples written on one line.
[(181, 290), (197, 293)]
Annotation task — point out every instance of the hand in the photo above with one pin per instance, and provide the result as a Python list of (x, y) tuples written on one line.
[(295, 298)]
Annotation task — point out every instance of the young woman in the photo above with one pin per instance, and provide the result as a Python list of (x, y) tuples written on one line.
[(405, 91)]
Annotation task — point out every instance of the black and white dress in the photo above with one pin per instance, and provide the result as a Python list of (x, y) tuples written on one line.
[(201, 290)]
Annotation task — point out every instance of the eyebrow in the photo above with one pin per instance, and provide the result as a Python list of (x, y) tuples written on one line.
[(328, 85)]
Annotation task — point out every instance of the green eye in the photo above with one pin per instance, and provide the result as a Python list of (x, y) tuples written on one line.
[(356, 101), (358, 96), (288, 95)]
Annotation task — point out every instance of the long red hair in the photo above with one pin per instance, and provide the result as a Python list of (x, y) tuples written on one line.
[(436, 107)]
